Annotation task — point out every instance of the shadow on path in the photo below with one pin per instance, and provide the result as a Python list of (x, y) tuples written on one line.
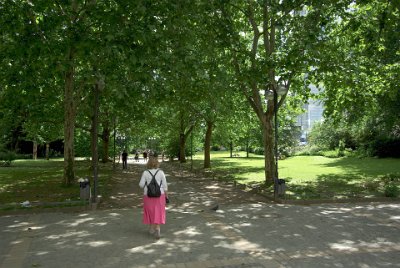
[(244, 232), (186, 190)]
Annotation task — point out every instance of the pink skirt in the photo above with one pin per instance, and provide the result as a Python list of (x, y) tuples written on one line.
[(154, 210)]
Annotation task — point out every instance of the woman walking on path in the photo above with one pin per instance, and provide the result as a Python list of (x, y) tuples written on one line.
[(154, 207)]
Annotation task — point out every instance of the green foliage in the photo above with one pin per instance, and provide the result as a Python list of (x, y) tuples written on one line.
[(325, 136), (364, 137), (6, 158), (172, 65), (341, 148), (386, 147), (171, 149), (359, 70), (82, 146), (308, 150), (392, 190), (288, 138), (216, 147), (258, 150)]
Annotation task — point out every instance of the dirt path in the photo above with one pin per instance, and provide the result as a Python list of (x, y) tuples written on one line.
[(125, 191), (186, 190)]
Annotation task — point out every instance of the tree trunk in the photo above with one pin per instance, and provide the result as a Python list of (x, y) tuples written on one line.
[(34, 153), (268, 140), (207, 145), (95, 156), (231, 148), (182, 146), (247, 148), (47, 151), (69, 123), (106, 142), (114, 136)]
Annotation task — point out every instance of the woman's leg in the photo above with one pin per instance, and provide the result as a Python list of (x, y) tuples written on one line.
[(157, 230), (152, 228)]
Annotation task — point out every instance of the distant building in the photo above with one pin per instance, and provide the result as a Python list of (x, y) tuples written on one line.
[(313, 113)]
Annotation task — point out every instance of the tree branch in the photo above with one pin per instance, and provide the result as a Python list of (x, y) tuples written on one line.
[(255, 38)]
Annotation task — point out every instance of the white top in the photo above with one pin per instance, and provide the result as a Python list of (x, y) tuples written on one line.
[(160, 176)]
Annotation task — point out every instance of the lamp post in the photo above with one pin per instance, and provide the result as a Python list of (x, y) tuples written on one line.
[(191, 151), (276, 134), (114, 137), (280, 90), (278, 184)]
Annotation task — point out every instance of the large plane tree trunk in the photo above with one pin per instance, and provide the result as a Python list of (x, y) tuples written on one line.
[(207, 145), (268, 140), (69, 122)]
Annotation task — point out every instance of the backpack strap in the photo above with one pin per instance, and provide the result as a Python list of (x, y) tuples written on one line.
[(153, 176)]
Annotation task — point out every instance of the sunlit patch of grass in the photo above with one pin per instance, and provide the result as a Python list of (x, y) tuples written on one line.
[(41, 181), (311, 176)]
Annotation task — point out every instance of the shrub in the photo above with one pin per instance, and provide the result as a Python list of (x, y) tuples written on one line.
[(386, 148), (391, 190), (310, 150), (238, 149), (341, 148), (259, 150), (371, 185), (389, 178), (331, 154), (215, 148), (6, 157)]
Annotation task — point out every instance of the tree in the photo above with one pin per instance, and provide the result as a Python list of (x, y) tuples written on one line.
[(29, 90), (359, 70), (66, 41), (270, 44)]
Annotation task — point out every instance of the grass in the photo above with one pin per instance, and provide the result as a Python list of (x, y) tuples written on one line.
[(307, 177), (41, 181), (312, 176)]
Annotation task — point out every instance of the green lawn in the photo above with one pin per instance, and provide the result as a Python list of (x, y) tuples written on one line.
[(307, 177), (312, 176), (41, 181)]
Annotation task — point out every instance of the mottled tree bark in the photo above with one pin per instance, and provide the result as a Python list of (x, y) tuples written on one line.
[(207, 145), (105, 136), (182, 146), (47, 151), (34, 150), (69, 122), (94, 135), (269, 161)]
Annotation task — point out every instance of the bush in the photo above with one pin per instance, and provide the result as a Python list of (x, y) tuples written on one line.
[(341, 148), (215, 148), (259, 150), (386, 148), (371, 185), (331, 154), (324, 135), (238, 149), (310, 150), (6, 157), (391, 190)]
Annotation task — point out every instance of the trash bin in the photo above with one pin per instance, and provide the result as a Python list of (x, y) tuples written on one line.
[(84, 186), (279, 187)]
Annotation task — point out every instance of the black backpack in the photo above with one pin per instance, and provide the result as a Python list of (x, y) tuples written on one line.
[(153, 189)]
